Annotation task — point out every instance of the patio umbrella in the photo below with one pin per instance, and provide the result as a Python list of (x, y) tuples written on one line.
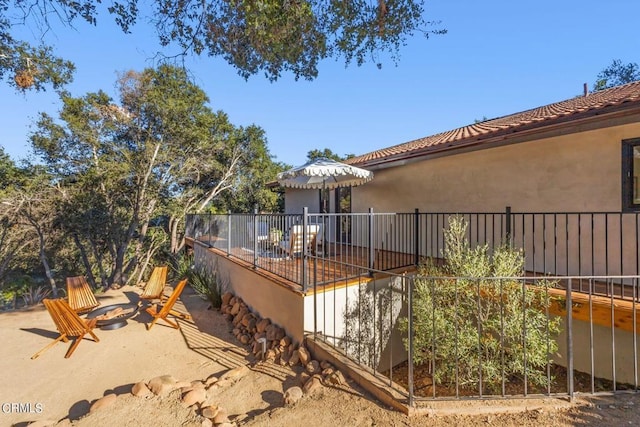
[(324, 174)]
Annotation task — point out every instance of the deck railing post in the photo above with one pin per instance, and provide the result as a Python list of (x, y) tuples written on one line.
[(305, 221), (229, 233), (255, 237), (371, 248), (410, 337), (569, 321), (416, 241), (507, 219), (209, 231)]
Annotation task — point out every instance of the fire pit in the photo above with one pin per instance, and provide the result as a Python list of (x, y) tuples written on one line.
[(113, 316)]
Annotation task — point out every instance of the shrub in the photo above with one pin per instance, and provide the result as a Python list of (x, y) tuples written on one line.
[(205, 283), (470, 328)]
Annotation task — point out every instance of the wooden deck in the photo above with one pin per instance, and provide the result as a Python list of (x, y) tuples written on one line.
[(348, 265)]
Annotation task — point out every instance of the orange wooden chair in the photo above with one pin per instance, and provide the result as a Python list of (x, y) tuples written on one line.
[(80, 296), (69, 324), (154, 289), (167, 308)]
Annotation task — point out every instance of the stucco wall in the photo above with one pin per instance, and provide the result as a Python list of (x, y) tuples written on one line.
[(333, 319), (282, 306), (296, 200), (604, 363), (577, 172)]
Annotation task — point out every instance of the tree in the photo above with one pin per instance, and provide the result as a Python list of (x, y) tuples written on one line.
[(327, 153), (130, 170), (617, 74), (271, 36)]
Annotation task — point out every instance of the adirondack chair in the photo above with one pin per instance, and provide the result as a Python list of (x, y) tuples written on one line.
[(154, 289), (69, 324), (80, 296), (294, 244), (167, 308)]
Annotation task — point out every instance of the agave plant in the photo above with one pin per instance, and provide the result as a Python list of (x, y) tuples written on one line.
[(35, 294)]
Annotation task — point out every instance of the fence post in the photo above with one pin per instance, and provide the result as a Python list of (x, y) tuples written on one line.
[(229, 233), (416, 242), (371, 249), (255, 237), (305, 220), (209, 232), (569, 321), (507, 215), (410, 337)]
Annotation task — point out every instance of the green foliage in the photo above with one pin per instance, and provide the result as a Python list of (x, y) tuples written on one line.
[(328, 154), (467, 324), (205, 283), (270, 36), (617, 74)]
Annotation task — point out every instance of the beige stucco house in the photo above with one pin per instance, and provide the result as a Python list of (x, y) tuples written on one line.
[(568, 159)]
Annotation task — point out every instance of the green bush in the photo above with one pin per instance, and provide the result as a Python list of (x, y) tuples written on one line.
[(468, 325), (206, 284)]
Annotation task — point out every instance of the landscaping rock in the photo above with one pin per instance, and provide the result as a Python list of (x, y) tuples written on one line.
[(262, 324), (312, 385), (197, 395), (336, 378), (292, 396), (236, 373), (284, 342), (140, 389), (209, 411), (303, 377), (304, 355), (222, 383), (325, 365), (294, 359), (244, 339), (226, 297), (235, 309), (103, 402), (162, 385), (274, 333), (207, 423), (313, 367), (210, 381), (221, 417)]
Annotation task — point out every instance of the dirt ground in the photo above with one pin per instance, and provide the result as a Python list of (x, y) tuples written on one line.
[(53, 388)]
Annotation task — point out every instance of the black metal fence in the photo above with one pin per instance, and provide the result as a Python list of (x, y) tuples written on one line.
[(561, 243), (490, 337)]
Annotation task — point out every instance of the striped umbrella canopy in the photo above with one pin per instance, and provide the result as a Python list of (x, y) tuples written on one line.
[(324, 174)]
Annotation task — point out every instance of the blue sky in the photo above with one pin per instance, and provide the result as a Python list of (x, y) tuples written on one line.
[(498, 58)]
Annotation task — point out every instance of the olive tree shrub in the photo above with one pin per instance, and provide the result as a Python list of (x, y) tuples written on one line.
[(474, 330)]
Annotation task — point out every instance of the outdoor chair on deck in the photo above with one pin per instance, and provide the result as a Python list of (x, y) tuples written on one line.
[(69, 324), (154, 289), (167, 308), (80, 296), (294, 244)]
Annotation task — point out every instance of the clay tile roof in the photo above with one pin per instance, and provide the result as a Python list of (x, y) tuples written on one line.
[(536, 118)]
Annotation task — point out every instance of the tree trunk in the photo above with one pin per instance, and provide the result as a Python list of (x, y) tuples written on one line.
[(45, 263), (85, 260)]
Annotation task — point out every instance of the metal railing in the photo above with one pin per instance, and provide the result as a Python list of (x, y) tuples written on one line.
[(561, 243), (477, 338)]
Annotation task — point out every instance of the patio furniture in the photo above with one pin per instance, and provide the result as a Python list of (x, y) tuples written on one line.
[(167, 308), (80, 295), (294, 244), (154, 289), (69, 324)]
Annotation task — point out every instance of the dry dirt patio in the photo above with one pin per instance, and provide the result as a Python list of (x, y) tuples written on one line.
[(58, 389)]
